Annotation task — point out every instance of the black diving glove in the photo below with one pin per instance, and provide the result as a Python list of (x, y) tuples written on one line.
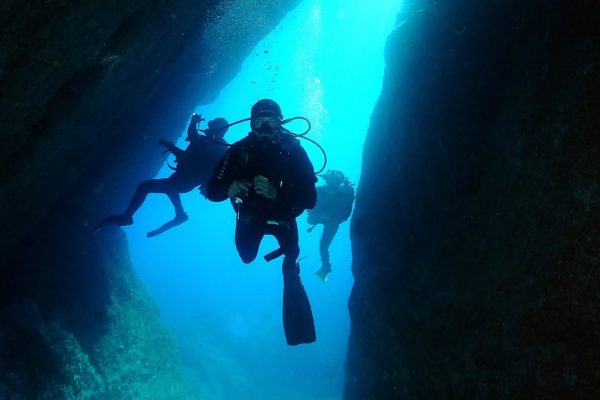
[(264, 187), (166, 144), (196, 118)]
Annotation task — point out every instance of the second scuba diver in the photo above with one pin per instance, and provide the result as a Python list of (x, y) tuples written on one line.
[(195, 166)]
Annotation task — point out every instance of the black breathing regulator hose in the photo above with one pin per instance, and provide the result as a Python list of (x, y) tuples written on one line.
[(285, 121)]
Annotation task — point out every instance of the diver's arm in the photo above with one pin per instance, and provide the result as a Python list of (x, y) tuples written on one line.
[(221, 180), (192, 131), (306, 182), (298, 190), (347, 203), (177, 152)]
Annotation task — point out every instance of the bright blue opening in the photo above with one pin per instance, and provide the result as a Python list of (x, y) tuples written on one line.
[(325, 62)]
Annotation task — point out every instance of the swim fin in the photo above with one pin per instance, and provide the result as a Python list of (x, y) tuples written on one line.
[(298, 322), (178, 220), (118, 220), (321, 273)]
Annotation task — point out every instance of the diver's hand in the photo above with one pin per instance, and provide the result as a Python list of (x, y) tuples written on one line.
[(238, 188), (164, 143), (196, 118), (265, 188)]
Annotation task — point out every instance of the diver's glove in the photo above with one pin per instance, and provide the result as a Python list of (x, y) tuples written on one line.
[(238, 189), (166, 144), (169, 147), (196, 118), (265, 188)]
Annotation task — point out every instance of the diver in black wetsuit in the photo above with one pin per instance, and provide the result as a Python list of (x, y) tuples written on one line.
[(334, 206), (270, 182), (195, 165)]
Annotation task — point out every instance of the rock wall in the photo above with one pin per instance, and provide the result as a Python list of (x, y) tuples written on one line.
[(477, 222), (86, 91), (88, 333)]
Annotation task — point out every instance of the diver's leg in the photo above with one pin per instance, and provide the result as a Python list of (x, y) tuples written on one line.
[(142, 191), (179, 184), (287, 237), (178, 220), (173, 187), (176, 200), (247, 240), (298, 322), (329, 231), (150, 186)]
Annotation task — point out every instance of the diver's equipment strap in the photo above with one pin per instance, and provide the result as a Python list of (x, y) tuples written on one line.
[(238, 203), (274, 254)]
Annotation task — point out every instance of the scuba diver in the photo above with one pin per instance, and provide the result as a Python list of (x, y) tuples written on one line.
[(270, 181), (194, 168), (334, 206)]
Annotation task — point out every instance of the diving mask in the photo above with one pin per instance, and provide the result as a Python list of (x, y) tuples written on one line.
[(271, 121)]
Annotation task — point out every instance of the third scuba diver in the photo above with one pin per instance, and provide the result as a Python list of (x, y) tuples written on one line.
[(334, 206)]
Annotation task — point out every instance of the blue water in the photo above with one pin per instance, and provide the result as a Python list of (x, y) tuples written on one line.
[(325, 62)]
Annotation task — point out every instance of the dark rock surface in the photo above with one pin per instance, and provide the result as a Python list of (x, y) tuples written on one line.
[(86, 91), (476, 233), (81, 345)]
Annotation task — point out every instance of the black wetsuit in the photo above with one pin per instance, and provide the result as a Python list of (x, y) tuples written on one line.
[(334, 206), (195, 164), (286, 165), (195, 167)]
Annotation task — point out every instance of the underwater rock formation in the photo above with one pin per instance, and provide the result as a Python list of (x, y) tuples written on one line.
[(86, 91), (477, 223), (87, 343)]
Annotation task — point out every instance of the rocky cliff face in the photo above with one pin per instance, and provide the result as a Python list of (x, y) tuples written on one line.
[(477, 222), (86, 91), (87, 330)]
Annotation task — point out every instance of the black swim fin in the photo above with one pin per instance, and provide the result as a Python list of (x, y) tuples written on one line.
[(322, 274), (171, 224), (118, 220), (324, 271), (298, 322)]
